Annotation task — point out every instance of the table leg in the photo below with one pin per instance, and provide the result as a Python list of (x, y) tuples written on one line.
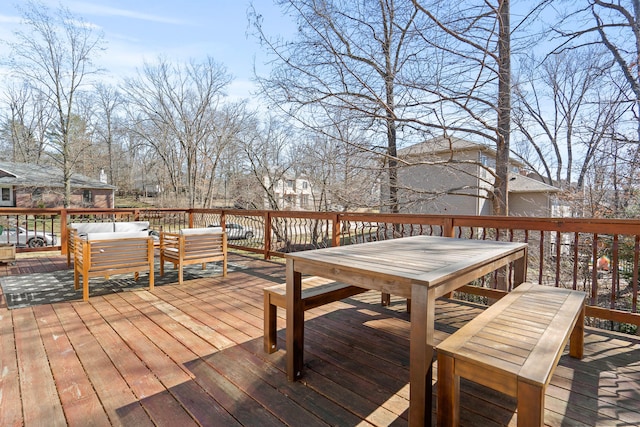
[(421, 355), (520, 269), (295, 323)]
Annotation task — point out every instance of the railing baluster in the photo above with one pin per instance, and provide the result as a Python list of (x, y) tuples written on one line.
[(613, 268), (594, 269), (576, 259), (541, 261)]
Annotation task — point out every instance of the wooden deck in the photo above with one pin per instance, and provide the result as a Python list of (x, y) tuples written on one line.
[(192, 355)]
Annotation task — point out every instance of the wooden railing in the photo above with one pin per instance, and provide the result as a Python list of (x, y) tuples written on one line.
[(598, 256)]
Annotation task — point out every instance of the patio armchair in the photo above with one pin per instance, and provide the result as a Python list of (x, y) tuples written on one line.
[(81, 229), (193, 246), (106, 254)]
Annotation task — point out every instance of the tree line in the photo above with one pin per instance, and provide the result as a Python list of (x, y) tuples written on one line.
[(553, 84)]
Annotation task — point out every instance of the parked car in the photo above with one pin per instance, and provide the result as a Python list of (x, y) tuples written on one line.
[(236, 231), (19, 236)]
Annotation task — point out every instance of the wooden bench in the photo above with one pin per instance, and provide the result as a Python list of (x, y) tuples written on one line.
[(316, 291), (513, 347), (106, 254)]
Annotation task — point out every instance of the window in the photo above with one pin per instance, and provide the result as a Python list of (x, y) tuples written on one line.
[(305, 185), (6, 194), (87, 196), (289, 183), (304, 200)]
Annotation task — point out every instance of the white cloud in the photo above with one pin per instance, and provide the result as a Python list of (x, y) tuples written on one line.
[(82, 8), (9, 19)]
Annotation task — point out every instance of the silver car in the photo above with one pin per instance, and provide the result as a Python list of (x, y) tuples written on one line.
[(20, 236), (236, 231)]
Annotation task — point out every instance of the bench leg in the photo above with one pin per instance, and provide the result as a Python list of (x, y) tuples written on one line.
[(448, 408), (385, 299), (270, 325), (530, 405)]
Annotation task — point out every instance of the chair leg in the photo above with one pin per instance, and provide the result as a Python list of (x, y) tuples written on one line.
[(85, 288)]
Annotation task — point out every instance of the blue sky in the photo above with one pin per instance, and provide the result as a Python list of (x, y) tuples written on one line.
[(136, 30)]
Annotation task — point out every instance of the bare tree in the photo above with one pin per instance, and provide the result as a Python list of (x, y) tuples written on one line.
[(108, 102), (349, 57), (565, 108), (270, 156), (54, 54), (174, 107), (342, 175), (29, 117), (472, 94)]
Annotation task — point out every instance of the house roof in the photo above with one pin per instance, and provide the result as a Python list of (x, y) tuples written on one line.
[(523, 184), (441, 145), (32, 175)]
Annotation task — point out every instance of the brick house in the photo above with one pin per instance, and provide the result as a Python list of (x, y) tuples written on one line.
[(25, 185)]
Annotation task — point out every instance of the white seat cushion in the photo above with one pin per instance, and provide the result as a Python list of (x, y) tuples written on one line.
[(112, 236), (131, 226), (204, 230)]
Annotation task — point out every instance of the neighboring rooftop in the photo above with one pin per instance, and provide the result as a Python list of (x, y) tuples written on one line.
[(523, 184), (33, 175)]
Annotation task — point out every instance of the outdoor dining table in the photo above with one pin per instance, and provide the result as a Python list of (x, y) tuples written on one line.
[(421, 268)]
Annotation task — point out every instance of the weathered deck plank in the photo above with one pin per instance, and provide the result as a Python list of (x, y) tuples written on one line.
[(192, 354)]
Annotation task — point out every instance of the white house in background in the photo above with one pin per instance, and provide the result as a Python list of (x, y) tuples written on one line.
[(453, 180), (292, 193)]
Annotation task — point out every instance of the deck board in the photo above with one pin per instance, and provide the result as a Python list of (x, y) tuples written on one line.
[(192, 354)]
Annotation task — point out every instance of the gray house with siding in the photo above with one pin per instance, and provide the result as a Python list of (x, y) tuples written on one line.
[(452, 176)]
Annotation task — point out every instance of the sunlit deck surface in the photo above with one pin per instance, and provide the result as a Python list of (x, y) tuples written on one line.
[(193, 355)]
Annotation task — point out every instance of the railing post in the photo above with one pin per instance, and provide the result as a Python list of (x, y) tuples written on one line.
[(267, 234), (64, 236), (337, 227), (448, 228), (190, 218)]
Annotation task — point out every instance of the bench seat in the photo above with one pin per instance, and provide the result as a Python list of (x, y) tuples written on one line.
[(513, 347), (316, 291)]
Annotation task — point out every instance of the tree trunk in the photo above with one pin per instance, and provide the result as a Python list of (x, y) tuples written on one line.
[(501, 188)]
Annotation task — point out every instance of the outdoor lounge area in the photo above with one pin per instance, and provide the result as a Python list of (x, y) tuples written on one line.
[(193, 354)]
